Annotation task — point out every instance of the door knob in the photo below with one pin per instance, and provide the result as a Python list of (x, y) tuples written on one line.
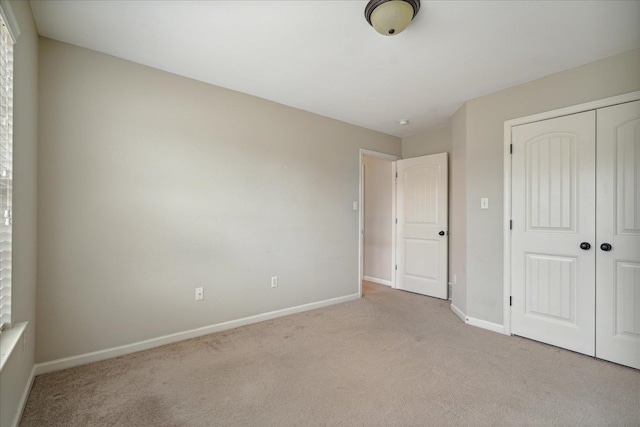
[(606, 247), (441, 233), (585, 245)]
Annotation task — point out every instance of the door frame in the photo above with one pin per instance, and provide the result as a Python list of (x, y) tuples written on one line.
[(382, 156), (574, 109)]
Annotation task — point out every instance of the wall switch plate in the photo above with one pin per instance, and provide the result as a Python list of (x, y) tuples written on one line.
[(199, 294), (274, 282), (454, 279), (484, 203)]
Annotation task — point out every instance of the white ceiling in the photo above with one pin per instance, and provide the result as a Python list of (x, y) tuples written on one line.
[(323, 57)]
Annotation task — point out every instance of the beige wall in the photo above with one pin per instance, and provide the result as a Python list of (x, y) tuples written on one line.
[(431, 142), (485, 118), (152, 184), (378, 218), (458, 210), (15, 375)]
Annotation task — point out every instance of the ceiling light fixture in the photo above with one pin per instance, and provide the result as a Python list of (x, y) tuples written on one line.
[(403, 122), (390, 17)]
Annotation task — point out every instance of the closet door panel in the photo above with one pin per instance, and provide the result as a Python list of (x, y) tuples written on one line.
[(618, 225), (553, 212)]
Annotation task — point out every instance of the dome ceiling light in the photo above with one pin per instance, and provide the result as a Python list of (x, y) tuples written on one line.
[(390, 17)]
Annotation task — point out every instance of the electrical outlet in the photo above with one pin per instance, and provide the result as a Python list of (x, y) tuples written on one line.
[(274, 282), (199, 294)]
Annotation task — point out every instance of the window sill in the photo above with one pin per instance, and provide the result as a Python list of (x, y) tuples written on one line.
[(9, 341)]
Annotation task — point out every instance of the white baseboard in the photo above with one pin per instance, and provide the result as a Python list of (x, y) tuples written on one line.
[(96, 356), (494, 327), (24, 397), (458, 313), (379, 281)]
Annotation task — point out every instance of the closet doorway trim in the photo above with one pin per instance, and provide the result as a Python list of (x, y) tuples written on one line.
[(588, 106)]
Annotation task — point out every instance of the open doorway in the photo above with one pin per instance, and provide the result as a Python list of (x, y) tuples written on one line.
[(404, 246), (377, 216)]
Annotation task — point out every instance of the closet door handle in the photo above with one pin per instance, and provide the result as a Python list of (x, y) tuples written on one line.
[(441, 233), (585, 245), (606, 247)]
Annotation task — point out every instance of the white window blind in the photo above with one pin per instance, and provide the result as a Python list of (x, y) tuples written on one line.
[(6, 170)]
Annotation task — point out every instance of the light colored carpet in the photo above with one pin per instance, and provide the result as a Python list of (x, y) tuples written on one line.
[(390, 358)]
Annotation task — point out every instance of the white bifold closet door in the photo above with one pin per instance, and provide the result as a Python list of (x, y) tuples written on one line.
[(576, 232), (553, 213), (618, 225)]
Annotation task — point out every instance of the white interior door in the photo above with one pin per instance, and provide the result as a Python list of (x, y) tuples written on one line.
[(618, 225), (422, 236), (553, 213)]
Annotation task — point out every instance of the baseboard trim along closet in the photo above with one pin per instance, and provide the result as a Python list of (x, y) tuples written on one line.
[(378, 281), (96, 356), (494, 327), (23, 399), (490, 326), (458, 313)]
